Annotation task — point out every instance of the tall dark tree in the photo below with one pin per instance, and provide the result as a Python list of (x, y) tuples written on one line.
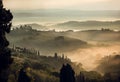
[(67, 74), (5, 53), (23, 77), (56, 55), (119, 79)]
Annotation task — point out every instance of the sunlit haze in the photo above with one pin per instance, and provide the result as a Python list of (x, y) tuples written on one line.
[(63, 4), (76, 15)]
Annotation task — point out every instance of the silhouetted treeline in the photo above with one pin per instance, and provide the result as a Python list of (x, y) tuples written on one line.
[(96, 77), (24, 27), (34, 52), (67, 74)]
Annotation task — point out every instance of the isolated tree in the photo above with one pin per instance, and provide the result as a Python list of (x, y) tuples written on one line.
[(56, 55), (67, 74), (63, 56), (38, 53), (5, 53)]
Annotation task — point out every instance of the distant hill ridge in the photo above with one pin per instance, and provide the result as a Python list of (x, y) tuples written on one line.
[(89, 23), (77, 25)]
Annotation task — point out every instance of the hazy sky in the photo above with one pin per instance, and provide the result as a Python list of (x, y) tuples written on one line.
[(63, 4)]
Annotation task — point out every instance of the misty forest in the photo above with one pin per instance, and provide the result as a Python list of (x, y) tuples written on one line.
[(55, 45)]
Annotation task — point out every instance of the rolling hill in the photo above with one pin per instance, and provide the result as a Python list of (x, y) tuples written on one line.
[(46, 41), (87, 25)]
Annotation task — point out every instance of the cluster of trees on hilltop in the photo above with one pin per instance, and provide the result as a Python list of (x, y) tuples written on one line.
[(23, 27)]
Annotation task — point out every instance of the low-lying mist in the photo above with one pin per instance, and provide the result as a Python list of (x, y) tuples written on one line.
[(86, 47), (89, 57)]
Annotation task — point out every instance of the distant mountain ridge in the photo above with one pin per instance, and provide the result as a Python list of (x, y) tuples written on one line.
[(92, 22)]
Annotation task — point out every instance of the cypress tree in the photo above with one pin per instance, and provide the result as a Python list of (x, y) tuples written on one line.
[(67, 74), (5, 53), (23, 77)]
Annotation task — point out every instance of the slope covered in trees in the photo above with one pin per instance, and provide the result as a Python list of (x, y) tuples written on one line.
[(38, 67)]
